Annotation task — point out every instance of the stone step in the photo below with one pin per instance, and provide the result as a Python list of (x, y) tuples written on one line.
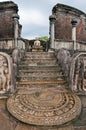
[(38, 61), (39, 78), (30, 83), (41, 70), (40, 73), (48, 57), (39, 67), (39, 54)]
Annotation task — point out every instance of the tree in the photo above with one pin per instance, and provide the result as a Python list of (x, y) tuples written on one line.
[(44, 38)]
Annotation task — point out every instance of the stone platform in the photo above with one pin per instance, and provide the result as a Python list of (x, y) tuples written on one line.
[(44, 106)]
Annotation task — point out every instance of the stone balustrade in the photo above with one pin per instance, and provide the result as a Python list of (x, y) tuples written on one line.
[(64, 59), (74, 69), (80, 45), (6, 44)]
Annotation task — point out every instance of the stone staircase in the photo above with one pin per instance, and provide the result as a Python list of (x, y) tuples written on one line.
[(42, 98), (40, 69)]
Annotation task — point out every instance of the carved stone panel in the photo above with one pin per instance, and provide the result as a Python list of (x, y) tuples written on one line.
[(78, 73), (6, 77)]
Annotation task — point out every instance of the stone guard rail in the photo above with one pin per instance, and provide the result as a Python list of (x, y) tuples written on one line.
[(64, 59), (61, 43), (74, 68), (9, 43), (17, 56)]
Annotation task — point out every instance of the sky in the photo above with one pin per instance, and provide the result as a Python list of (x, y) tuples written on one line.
[(34, 15)]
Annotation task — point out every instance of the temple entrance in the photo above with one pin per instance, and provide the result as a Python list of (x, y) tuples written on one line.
[(38, 46)]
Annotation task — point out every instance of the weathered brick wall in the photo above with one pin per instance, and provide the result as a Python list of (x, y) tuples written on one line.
[(7, 9), (63, 28)]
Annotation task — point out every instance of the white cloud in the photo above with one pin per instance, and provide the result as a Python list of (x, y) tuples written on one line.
[(31, 37), (53, 1), (3, 0), (80, 4), (32, 16)]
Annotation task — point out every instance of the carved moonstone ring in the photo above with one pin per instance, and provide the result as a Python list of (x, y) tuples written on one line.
[(45, 106)]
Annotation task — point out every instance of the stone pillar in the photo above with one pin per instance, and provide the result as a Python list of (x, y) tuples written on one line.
[(16, 28), (52, 32), (74, 22)]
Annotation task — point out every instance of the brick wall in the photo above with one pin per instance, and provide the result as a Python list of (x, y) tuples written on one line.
[(7, 9), (63, 28)]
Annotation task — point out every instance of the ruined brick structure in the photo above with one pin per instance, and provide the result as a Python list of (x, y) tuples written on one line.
[(64, 15), (40, 89), (7, 10)]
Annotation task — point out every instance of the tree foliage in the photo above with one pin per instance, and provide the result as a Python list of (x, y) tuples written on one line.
[(44, 38)]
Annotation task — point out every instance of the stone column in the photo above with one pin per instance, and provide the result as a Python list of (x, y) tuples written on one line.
[(52, 32), (16, 28), (74, 22)]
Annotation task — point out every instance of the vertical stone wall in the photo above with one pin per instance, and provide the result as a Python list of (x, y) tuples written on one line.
[(7, 9), (63, 28)]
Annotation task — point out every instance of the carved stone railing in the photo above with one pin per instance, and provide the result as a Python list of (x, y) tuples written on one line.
[(78, 72), (64, 59), (9, 43), (17, 56), (7, 80), (74, 69), (22, 43), (61, 43)]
